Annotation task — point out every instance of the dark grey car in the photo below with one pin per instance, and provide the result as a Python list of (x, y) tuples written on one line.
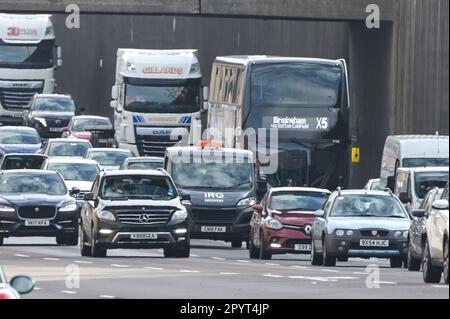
[(359, 223)]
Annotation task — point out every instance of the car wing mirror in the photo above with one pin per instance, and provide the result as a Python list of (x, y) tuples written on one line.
[(22, 284), (258, 208), (88, 196), (419, 213), (74, 191), (404, 198), (319, 214), (441, 204)]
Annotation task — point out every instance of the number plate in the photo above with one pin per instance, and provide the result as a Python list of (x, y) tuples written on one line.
[(373, 243), (213, 229), (37, 223), (302, 247), (56, 129), (144, 236)]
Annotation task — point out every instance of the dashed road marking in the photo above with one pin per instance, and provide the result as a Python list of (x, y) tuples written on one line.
[(69, 292), (83, 262), (52, 259), (360, 273), (243, 261), (217, 258), (154, 268), (37, 288), (440, 286), (107, 297), (22, 256), (190, 271), (119, 266), (300, 267), (323, 279), (385, 282), (330, 270), (272, 276), (271, 264), (195, 256), (229, 273)]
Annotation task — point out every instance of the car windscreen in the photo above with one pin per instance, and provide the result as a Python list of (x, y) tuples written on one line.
[(19, 137), (367, 206), (75, 171), (137, 187), (54, 104), (23, 183), (77, 149), (83, 125), (145, 165), (22, 162), (213, 176), (297, 201), (425, 162), (426, 181), (109, 158)]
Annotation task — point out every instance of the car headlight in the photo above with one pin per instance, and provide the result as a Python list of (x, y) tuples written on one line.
[(405, 234), (349, 232), (6, 209), (340, 232), (69, 207), (106, 215), (41, 120), (274, 224), (247, 202), (179, 215), (400, 233)]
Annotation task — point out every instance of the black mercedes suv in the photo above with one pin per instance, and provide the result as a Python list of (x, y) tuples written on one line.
[(134, 209), (37, 203)]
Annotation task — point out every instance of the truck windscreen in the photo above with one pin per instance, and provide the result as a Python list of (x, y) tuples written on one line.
[(295, 85), (31, 56), (181, 97), (213, 176)]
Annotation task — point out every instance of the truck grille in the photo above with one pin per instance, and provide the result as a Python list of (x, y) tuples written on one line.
[(150, 145), (16, 99), (147, 216), (214, 215), (37, 212)]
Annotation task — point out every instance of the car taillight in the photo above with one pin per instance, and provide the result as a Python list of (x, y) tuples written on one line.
[(6, 295)]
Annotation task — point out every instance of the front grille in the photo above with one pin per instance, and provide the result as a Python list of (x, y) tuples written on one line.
[(379, 233), (37, 212), (146, 216), (155, 145), (16, 99), (57, 122), (213, 215)]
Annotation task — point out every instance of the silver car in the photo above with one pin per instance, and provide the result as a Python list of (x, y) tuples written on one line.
[(359, 223), (19, 285)]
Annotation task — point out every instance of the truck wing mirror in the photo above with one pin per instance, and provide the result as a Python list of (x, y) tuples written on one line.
[(405, 198), (205, 93), (115, 92)]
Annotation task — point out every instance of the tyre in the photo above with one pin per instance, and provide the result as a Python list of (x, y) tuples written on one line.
[(431, 274), (316, 259), (169, 252), (67, 239), (328, 260), (184, 250), (263, 253), (84, 249), (413, 263), (1, 241), (236, 243), (95, 250), (396, 262), (446, 262), (253, 251), (342, 259)]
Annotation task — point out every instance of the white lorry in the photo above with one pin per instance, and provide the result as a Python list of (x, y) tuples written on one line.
[(28, 58), (158, 100)]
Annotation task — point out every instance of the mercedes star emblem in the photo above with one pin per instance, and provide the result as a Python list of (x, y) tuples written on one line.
[(144, 218)]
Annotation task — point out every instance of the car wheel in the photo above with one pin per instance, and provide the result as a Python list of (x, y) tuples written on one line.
[(1, 241), (413, 263), (328, 260), (431, 274), (396, 262), (95, 250), (253, 250), (84, 249), (316, 259), (446, 262), (236, 243), (183, 250), (169, 252), (263, 253), (342, 259)]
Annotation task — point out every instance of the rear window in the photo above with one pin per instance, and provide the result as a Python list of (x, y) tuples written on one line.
[(20, 162), (425, 162), (68, 149)]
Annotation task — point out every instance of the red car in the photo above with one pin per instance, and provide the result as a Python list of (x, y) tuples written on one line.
[(80, 126), (282, 223)]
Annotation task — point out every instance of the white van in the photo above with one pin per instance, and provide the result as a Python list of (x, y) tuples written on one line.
[(411, 151), (413, 184)]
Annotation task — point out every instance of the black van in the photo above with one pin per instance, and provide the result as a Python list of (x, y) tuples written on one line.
[(223, 185)]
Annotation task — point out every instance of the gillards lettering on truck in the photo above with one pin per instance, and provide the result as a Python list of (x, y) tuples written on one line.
[(162, 70)]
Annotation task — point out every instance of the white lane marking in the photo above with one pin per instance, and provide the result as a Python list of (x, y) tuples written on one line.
[(323, 279), (229, 273), (52, 259), (153, 268), (360, 273), (119, 266), (243, 261), (385, 282), (330, 270), (271, 264), (83, 262), (195, 256), (107, 297), (37, 288), (440, 286), (190, 271), (300, 267), (217, 258), (314, 283), (69, 292), (20, 255), (272, 276)]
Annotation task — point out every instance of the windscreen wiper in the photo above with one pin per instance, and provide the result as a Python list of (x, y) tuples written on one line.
[(238, 185)]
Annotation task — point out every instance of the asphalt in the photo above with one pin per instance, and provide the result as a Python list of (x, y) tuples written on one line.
[(214, 271)]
